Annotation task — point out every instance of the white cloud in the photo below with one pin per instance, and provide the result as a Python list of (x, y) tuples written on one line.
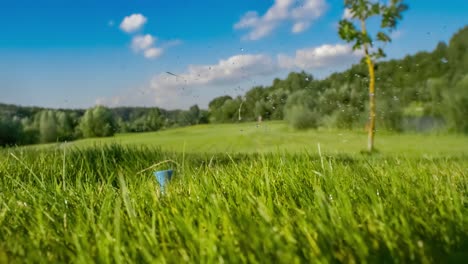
[(167, 88), (133, 23), (320, 57), (260, 28), (172, 43), (282, 10), (170, 92), (142, 42), (230, 70), (112, 102), (176, 91), (309, 10), (347, 14), (299, 27), (396, 34), (153, 53), (145, 44)]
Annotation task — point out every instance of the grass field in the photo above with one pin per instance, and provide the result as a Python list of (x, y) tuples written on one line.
[(278, 136), (87, 202)]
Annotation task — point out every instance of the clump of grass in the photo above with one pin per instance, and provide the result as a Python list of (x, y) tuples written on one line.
[(91, 205)]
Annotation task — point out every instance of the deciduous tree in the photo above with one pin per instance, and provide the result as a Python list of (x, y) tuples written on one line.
[(355, 30), (98, 122)]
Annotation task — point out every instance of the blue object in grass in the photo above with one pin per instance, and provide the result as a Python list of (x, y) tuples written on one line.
[(163, 177)]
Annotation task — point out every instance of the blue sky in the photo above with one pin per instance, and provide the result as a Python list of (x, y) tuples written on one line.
[(75, 54)]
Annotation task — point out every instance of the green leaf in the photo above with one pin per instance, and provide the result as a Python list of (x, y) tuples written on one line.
[(375, 9), (366, 39), (383, 37), (357, 45), (379, 54), (347, 30), (391, 14)]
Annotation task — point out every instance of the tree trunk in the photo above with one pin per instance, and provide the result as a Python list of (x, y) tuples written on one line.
[(370, 65), (371, 132)]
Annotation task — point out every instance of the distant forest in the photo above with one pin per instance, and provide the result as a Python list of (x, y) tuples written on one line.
[(425, 92)]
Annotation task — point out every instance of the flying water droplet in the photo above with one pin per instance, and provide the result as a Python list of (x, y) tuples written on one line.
[(420, 244)]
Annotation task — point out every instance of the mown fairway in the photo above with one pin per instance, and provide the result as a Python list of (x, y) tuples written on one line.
[(278, 136), (85, 202)]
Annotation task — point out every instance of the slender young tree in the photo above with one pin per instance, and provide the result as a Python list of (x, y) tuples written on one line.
[(353, 28)]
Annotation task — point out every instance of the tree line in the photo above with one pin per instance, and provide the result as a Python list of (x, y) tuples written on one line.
[(423, 92), (31, 125), (427, 91)]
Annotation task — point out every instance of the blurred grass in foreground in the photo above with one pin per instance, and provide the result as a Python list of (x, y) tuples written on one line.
[(88, 204)]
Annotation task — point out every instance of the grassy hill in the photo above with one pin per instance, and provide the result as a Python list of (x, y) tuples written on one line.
[(278, 136), (89, 204), (89, 201)]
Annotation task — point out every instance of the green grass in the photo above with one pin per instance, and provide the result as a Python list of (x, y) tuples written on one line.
[(277, 136), (89, 204), (241, 194)]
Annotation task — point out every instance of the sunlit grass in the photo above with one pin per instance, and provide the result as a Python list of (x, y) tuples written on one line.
[(278, 136), (88, 204)]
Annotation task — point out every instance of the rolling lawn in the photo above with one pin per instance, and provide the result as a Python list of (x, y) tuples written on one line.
[(240, 194), (278, 136)]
